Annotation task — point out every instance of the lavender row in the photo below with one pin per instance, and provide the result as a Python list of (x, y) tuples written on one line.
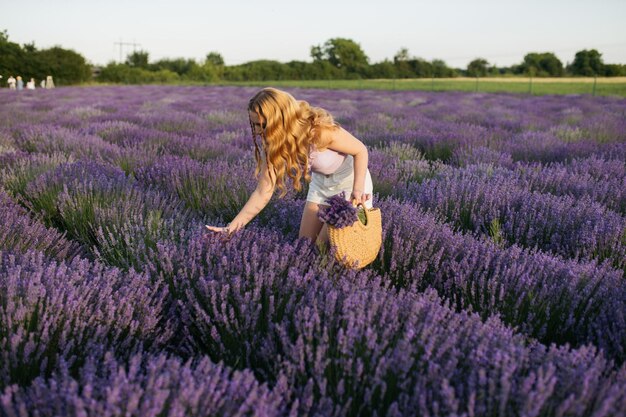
[(482, 201), (397, 165), (250, 302), (149, 139), (551, 299), (55, 312), (439, 124), (601, 180), (216, 190), (505, 111), (144, 385), (16, 174), (257, 302), (103, 209), (136, 147), (21, 233)]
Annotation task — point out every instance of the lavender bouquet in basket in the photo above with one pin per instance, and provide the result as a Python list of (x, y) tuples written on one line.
[(340, 213)]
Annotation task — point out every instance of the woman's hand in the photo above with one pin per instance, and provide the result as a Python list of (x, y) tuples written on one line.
[(358, 196), (230, 228)]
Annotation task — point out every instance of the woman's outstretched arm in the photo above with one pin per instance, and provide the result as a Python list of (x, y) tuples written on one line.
[(257, 202)]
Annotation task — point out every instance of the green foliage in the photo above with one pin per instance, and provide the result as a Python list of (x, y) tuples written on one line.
[(401, 56), (208, 72), (138, 59), (335, 59), (215, 58), (66, 66), (263, 70), (180, 66), (441, 70), (587, 63), (614, 70), (384, 69), (361, 215), (495, 232), (544, 64), (15, 178), (342, 53), (477, 68), (12, 56), (121, 73)]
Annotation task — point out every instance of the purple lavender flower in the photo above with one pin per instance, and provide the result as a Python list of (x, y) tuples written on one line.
[(145, 385), (506, 298), (55, 312), (340, 213)]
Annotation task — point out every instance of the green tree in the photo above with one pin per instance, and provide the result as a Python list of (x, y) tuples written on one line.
[(317, 53), (66, 66), (420, 68), (401, 56), (441, 69), (342, 53), (614, 70), (206, 72), (384, 69), (544, 64), (401, 62), (12, 56), (122, 73), (299, 70), (180, 66), (587, 63), (215, 58), (477, 67), (138, 59)]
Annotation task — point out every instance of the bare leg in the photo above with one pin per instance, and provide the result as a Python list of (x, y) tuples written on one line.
[(322, 237), (310, 225)]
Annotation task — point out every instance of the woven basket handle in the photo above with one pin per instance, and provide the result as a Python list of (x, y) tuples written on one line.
[(365, 210)]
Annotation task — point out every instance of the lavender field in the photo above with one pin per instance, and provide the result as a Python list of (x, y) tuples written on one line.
[(500, 289)]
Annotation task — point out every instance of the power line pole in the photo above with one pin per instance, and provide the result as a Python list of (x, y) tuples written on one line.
[(121, 44)]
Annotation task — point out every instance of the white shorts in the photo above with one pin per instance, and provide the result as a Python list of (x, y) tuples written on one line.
[(322, 187)]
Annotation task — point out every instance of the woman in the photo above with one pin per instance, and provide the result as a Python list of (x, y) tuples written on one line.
[(297, 138)]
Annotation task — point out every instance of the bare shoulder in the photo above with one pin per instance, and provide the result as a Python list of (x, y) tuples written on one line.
[(340, 140)]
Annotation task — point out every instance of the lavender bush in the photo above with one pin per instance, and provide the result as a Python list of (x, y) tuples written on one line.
[(550, 299), (16, 175), (102, 208), (281, 305), (20, 233), (145, 385), (473, 197), (216, 189), (499, 289), (52, 312), (52, 139)]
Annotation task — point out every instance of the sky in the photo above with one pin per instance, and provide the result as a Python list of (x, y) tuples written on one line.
[(456, 31)]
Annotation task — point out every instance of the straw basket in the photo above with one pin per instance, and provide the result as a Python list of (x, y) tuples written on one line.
[(357, 245)]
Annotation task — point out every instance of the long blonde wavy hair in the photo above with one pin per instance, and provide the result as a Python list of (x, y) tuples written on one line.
[(291, 126)]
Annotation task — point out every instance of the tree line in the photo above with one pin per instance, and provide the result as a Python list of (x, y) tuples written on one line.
[(337, 58), (66, 66)]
